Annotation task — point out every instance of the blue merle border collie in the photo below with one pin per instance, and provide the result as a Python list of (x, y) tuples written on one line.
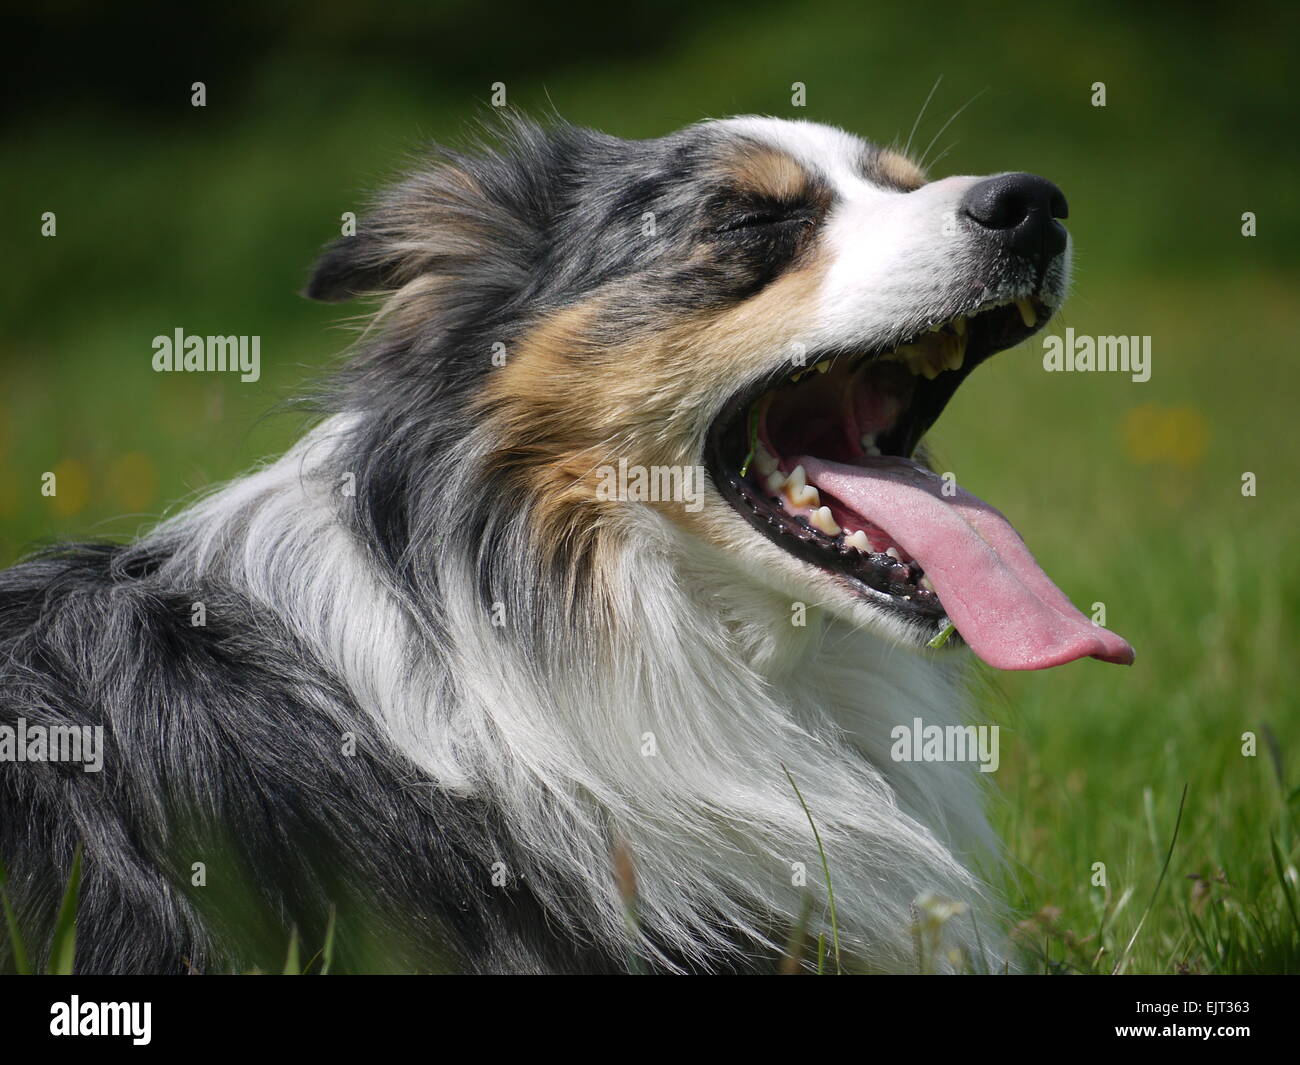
[(483, 717)]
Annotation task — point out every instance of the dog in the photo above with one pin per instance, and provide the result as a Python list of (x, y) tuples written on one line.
[(577, 633)]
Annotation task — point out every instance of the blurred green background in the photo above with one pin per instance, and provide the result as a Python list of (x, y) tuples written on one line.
[(1130, 494)]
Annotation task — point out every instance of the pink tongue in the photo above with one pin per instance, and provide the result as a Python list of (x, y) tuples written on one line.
[(1005, 607)]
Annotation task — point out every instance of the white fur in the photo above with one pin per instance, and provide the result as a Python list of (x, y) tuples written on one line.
[(899, 261), (700, 659)]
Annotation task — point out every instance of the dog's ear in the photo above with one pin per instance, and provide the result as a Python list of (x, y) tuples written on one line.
[(351, 266), (475, 220)]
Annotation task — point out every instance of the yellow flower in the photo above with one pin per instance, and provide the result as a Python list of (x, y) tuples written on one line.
[(71, 488), (132, 482), (1177, 436)]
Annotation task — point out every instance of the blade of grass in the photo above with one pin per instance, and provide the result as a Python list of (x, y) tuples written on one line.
[(1287, 894), (1274, 754), (1149, 815), (328, 950), (753, 441), (826, 870), (797, 943), (63, 949), (292, 966), (942, 638), (21, 966), (625, 879), (1123, 958)]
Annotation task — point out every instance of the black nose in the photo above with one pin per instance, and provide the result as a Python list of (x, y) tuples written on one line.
[(1021, 211)]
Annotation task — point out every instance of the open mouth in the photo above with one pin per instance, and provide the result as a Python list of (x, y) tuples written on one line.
[(820, 461)]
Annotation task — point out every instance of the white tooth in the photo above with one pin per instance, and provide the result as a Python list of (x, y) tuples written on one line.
[(775, 482), (799, 491), (764, 461), (859, 540), (959, 324), (927, 583), (892, 552), (926, 357), (868, 439), (822, 519), (956, 353), (872, 450), (1027, 313), (823, 366), (806, 496)]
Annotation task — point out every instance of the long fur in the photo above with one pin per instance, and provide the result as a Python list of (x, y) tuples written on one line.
[(395, 707)]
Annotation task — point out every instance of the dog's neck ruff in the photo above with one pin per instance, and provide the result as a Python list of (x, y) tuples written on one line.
[(664, 725)]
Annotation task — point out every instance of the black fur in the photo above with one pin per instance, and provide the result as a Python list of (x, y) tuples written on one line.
[(225, 746), (225, 742)]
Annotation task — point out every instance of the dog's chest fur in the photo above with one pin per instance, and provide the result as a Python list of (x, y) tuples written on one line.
[(451, 781)]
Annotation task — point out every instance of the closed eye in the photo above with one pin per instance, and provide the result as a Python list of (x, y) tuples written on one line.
[(765, 218)]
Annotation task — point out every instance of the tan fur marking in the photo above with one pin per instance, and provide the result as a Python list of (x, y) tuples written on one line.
[(565, 405), (768, 172), (899, 169)]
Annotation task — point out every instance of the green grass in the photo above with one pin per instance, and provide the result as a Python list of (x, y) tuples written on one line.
[(830, 886), (1203, 582), (1129, 494)]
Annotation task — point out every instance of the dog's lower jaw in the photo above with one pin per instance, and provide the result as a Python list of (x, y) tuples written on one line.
[(668, 734)]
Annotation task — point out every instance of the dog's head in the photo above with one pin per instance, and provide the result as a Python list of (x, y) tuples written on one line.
[(779, 303)]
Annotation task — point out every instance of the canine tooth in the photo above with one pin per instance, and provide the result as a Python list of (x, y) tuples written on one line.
[(775, 482), (927, 584), (871, 450), (959, 324), (799, 491), (1027, 313), (823, 366), (764, 461), (807, 496), (822, 519), (859, 540), (892, 552), (956, 353), (929, 355)]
